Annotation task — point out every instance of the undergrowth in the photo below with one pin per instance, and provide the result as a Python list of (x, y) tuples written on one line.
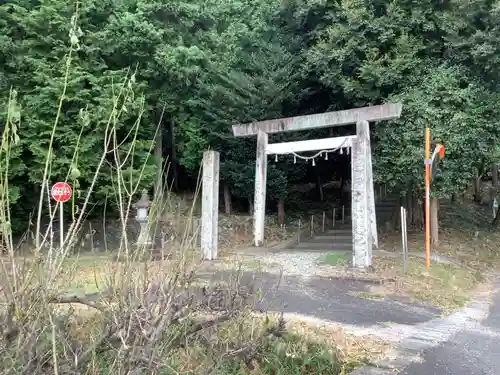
[(138, 319)]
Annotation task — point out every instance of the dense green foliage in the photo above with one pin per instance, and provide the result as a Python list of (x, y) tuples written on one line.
[(213, 63)]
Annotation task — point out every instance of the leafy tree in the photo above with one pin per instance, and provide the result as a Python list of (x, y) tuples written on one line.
[(200, 66), (61, 62), (397, 51)]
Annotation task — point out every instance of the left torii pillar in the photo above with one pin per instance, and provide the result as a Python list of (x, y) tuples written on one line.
[(210, 205), (259, 214)]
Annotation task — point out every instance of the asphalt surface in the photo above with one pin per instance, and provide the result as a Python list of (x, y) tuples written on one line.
[(333, 300), (474, 351)]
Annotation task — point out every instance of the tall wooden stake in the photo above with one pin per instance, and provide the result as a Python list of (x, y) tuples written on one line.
[(427, 197)]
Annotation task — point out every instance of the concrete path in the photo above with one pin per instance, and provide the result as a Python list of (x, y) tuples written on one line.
[(474, 351), (464, 343), (330, 300)]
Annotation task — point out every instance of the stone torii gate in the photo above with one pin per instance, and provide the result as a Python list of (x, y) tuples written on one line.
[(364, 225)]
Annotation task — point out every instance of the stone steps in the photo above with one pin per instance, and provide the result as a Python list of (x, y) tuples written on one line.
[(339, 238), (325, 244), (334, 237), (320, 250)]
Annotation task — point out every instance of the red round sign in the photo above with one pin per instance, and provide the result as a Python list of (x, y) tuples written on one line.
[(61, 192)]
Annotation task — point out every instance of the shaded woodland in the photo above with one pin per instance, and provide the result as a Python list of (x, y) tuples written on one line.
[(199, 66)]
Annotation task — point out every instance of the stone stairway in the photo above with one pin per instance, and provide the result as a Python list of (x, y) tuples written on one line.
[(336, 239), (339, 238)]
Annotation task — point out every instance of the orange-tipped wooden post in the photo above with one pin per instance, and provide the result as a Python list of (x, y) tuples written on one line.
[(427, 197)]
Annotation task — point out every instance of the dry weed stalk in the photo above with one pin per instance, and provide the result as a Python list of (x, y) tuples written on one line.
[(137, 323), (135, 329)]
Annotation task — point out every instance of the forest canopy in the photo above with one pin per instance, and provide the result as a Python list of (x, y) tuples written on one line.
[(201, 65)]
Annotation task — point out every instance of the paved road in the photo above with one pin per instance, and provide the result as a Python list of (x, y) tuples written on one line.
[(474, 351), (332, 300)]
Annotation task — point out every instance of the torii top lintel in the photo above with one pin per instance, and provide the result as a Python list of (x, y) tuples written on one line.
[(388, 111)]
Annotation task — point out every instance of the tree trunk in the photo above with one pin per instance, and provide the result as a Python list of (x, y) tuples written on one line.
[(173, 163), (477, 187), (409, 208), (493, 194), (418, 213), (396, 215), (227, 199), (494, 170), (342, 183), (319, 187), (281, 211), (435, 221), (250, 206)]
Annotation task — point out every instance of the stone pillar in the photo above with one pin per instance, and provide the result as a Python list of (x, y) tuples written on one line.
[(371, 193), (361, 227), (210, 205), (259, 214)]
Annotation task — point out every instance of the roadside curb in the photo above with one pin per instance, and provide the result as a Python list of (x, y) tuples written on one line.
[(413, 340)]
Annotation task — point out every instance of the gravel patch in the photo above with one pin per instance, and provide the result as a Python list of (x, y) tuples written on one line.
[(303, 264), (295, 263)]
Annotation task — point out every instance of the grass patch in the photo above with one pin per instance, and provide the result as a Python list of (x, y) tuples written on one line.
[(335, 259), (88, 273), (448, 286), (303, 349), (443, 285), (289, 355), (367, 295), (353, 350), (254, 265), (478, 251), (300, 349)]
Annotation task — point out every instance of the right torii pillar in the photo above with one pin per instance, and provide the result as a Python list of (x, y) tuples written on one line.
[(364, 225)]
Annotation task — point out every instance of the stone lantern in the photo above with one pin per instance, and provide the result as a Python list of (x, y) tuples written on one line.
[(142, 206)]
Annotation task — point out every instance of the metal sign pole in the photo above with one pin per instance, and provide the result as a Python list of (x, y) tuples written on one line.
[(61, 224)]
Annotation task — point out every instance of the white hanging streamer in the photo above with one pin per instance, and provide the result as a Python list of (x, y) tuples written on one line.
[(320, 153)]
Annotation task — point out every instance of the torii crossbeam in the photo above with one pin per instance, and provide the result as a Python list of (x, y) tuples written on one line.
[(363, 201)]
